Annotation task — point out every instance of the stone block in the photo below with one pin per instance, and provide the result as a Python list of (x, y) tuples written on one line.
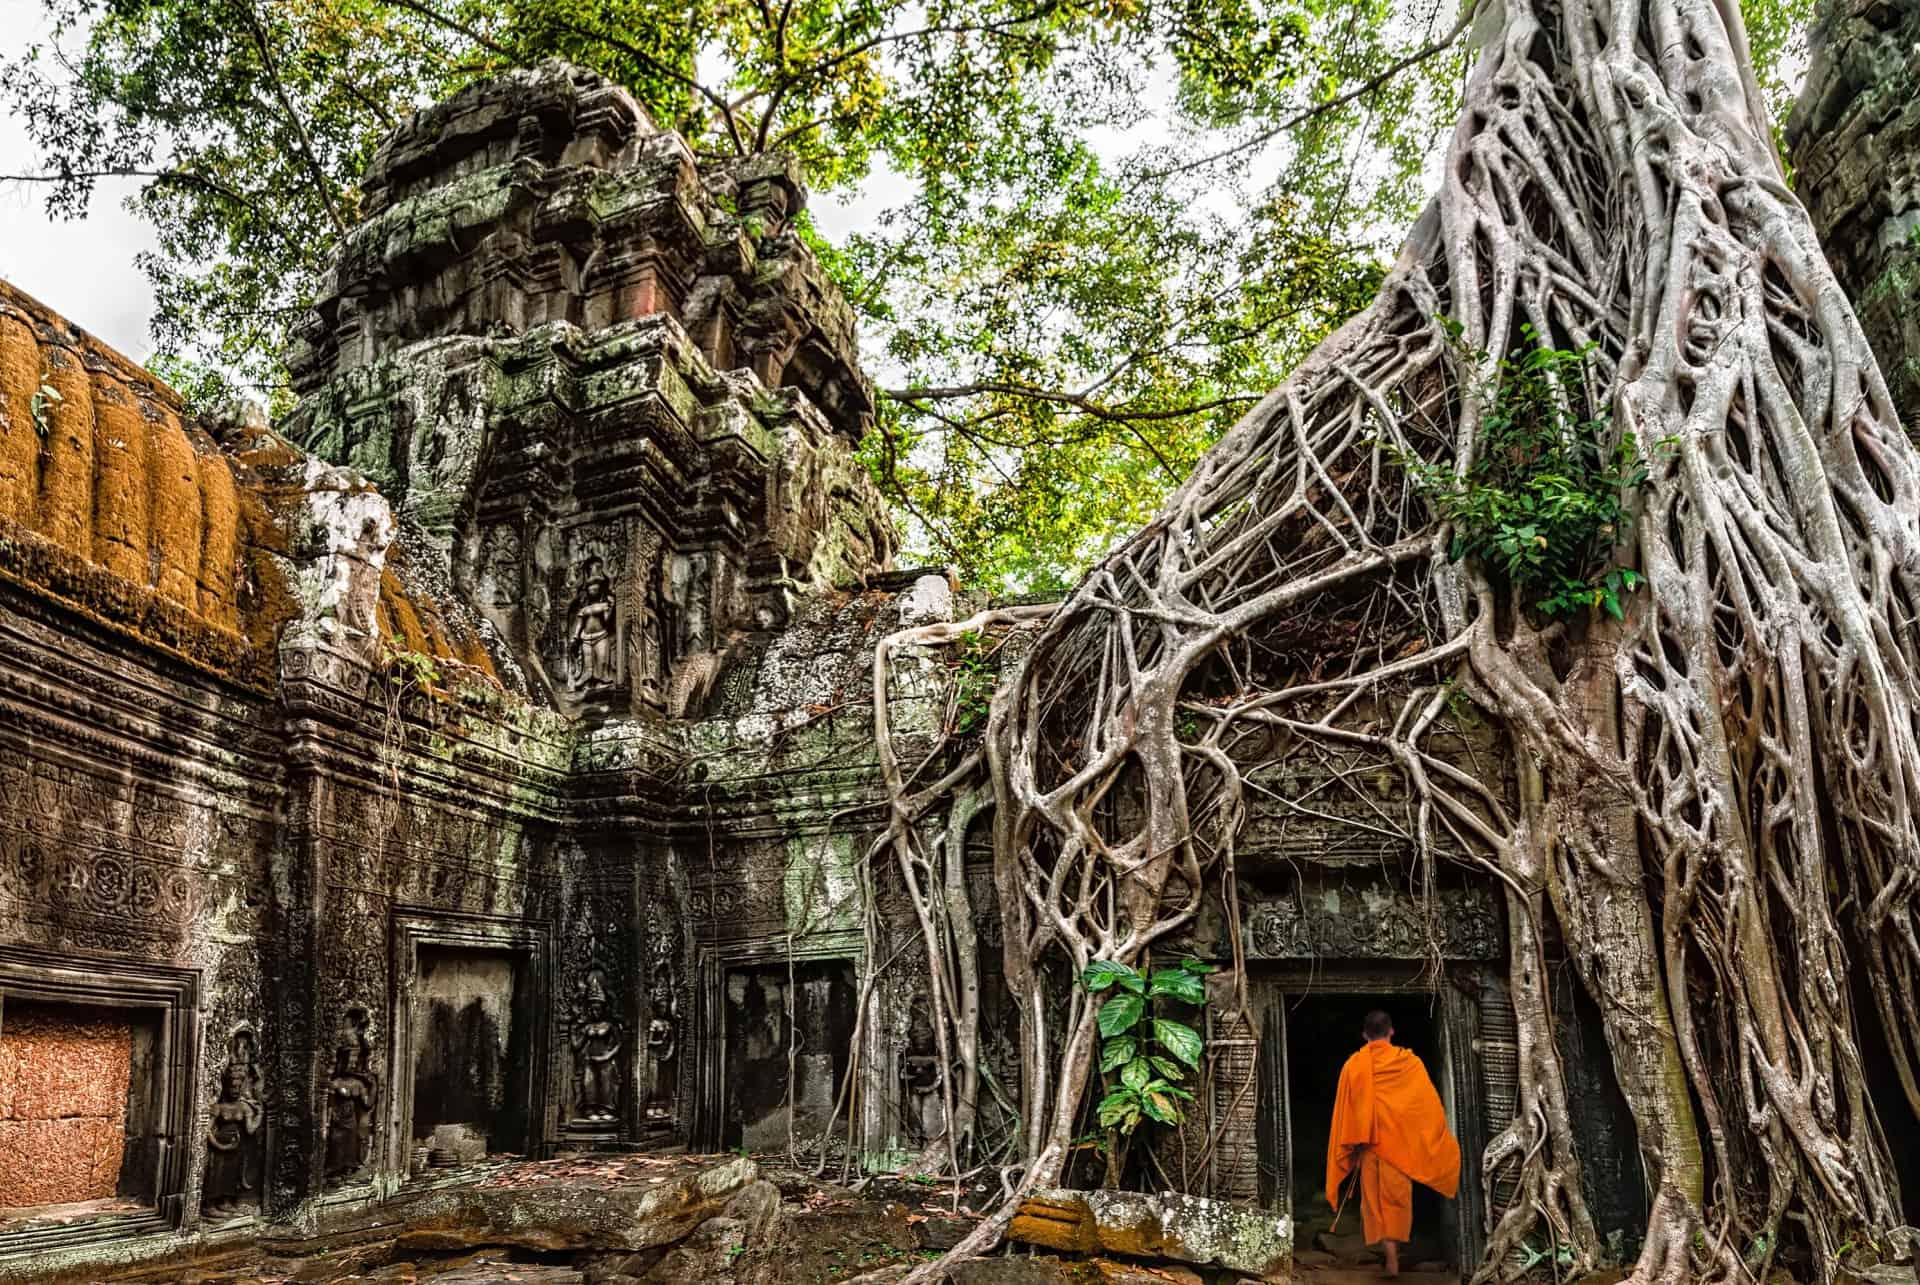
[(1118, 1273), (49, 1162), (522, 1209), (1185, 1229), (64, 1075)]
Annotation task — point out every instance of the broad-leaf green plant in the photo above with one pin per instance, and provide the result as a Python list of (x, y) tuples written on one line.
[(1145, 1054)]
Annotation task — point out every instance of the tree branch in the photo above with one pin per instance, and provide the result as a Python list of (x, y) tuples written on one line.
[(321, 182), (1334, 104)]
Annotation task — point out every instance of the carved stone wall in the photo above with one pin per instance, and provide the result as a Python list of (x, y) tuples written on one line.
[(65, 1072), (1854, 138), (614, 397)]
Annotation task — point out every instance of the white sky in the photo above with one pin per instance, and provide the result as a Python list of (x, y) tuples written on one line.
[(82, 269)]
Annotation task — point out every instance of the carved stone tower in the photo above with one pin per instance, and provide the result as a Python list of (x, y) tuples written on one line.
[(614, 398)]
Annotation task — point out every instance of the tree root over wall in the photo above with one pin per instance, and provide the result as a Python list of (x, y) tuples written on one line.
[(1718, 796)]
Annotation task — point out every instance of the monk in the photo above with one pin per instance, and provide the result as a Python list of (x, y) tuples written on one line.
[(1388, 1122)]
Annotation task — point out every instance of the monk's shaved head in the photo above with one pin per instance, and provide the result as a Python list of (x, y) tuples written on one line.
[(1376, 1025)]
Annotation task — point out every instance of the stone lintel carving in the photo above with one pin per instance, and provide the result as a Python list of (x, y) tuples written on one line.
[(1373, 920)]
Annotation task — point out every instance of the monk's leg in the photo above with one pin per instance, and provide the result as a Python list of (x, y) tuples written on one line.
[(1386, 1207)]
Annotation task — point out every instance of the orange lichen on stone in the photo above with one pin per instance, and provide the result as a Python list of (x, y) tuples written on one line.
[(120, 488), (414, 621), (19, 435), (220, 533), (115, 503), (399, 623), (64, 512), (175, 537), (97, 461), (64, 1076)]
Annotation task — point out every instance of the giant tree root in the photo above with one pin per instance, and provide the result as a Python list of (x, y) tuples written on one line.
[(1716, 794)]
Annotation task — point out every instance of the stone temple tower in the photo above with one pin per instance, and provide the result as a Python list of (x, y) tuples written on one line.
[(609, 395)]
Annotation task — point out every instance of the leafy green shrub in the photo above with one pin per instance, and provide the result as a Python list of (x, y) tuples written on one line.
[(974, 678), (1545, 498), (1147, 1050)]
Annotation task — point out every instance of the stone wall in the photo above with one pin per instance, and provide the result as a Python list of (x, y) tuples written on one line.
[(64, 1076), (1854, 138), (296, 726)]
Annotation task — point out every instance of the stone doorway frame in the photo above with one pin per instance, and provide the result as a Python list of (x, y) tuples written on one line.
[(530, 942), (1274, 983), (172, 995), (712, 963)]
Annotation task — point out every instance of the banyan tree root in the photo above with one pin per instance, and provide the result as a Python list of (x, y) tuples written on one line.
[(1717, 793)]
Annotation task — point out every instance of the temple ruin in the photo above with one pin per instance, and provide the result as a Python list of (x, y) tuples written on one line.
[(479, 762)]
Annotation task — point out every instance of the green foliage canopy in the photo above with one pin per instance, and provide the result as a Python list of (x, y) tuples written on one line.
[(1107, 226)]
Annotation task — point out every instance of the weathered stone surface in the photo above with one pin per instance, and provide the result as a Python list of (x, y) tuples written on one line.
[(63, 1104), (612, 400), (1187, 1229), (1119, 1273), (518, 1208), (1854, 137)]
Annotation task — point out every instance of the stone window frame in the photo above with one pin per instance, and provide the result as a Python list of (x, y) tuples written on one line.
[(412, 927), (171, 994), (712, 962)]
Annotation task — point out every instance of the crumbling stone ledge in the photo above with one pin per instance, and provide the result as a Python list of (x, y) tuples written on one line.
[(1185, 1229)]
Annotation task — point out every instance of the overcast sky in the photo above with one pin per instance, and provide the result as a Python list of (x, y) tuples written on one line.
[(82, 269)]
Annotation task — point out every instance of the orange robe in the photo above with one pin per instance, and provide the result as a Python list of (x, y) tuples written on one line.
[(1387, 1118)]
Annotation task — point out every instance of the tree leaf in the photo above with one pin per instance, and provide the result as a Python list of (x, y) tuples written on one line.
[(1161, 1107), (1137, 1074), (1120, 1108), (1103, 973), (1121, 1014), (1178, 983), (1177, 1038), (1118, 1052)]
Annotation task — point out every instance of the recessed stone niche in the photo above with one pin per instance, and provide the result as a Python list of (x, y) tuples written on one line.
[(470, 1061), (815, 1003), (95, 1078), (67, 1089), (469, 1028)]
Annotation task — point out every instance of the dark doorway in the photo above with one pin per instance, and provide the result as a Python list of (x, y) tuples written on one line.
[(1897, 1119), (1322, 1032), (814, 1004), (472, 1063)]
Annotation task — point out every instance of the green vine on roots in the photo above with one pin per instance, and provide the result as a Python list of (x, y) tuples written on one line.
[(1545, 497), (973, 674)]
